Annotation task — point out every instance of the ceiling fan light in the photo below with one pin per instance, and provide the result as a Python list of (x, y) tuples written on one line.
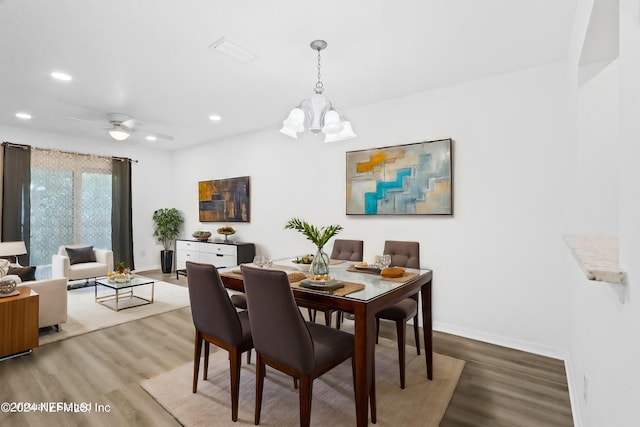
[(119, 133)]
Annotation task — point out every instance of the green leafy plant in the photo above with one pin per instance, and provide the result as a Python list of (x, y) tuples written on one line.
[(167, 225), (319, 236), (120, 267)]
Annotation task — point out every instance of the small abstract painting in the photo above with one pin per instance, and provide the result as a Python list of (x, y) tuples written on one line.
[(411, 179), (224, 200)]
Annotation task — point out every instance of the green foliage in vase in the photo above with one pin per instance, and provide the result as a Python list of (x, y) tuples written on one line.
[(167, 226), (319, 236)]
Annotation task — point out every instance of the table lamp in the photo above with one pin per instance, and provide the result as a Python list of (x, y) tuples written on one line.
[(12, 249)]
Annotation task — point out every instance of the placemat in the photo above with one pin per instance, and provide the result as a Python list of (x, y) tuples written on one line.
[(405, 276), (349, 288)]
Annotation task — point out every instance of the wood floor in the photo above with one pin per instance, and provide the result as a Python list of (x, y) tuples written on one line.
[(499, 386)]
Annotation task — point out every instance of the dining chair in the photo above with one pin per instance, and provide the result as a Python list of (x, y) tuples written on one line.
[(284, 341), (403, 254), (217, 322), (344, 250)]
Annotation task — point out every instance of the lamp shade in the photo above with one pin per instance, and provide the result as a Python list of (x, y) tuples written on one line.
[(332, 122), (12, 248)]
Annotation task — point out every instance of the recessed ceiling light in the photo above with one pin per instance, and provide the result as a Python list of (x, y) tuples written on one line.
[(215, 118), (151, 138), (25, 116), (233, 50), (61, 76)]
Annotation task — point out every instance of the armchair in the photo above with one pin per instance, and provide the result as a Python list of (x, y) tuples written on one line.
[(85, 262)]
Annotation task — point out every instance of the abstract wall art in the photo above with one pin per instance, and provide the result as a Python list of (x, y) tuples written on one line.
[(411, 179), (224, 200)]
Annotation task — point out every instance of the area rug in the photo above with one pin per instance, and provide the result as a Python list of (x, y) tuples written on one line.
[(85, 315), (422, 402)]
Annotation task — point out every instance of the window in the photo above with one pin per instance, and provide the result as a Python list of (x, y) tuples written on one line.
[(70, 203)]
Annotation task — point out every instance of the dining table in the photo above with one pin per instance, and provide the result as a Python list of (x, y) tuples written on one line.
[(364, 294)]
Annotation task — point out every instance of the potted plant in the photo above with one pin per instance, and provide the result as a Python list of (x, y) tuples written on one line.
[(167, 229), (319, 268)]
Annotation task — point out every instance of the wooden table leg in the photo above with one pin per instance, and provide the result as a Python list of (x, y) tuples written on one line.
[(364, 361), (427, 327)]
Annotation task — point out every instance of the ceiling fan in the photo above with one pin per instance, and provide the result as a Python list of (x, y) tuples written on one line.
[(121, 126)]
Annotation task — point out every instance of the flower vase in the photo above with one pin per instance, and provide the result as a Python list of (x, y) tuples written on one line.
[(320, 265)]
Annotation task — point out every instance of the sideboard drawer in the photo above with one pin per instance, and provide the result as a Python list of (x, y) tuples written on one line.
[(213, 248), (219, 260)]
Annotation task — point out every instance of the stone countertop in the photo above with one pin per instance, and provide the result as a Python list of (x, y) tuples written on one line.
[(597, 256)]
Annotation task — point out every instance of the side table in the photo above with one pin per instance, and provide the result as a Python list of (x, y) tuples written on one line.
[(19, 323)]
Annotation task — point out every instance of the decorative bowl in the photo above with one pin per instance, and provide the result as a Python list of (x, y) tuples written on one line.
[(201, 235), (7, 286)]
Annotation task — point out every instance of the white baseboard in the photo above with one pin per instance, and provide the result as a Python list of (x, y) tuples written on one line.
[(516, 344)]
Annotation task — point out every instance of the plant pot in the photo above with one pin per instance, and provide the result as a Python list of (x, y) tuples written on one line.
[(320, 264), (166, 261)]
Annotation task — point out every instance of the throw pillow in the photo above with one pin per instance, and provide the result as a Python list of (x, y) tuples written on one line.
[(80, 255), (4, 267), (25, 274)]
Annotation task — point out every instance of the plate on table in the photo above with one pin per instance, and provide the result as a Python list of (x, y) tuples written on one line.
[(321, 284), (368, 268)]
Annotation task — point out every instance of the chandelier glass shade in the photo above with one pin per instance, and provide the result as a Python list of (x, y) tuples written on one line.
[(318, 114)]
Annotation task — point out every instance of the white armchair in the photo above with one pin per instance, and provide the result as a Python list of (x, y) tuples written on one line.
[(100, 265)]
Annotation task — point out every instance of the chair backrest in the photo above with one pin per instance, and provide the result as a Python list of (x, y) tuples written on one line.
[(211, 308), (278, 329), (403, 254), (350, 250)]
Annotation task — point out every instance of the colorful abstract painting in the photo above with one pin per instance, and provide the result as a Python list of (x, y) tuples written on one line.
[(412, 179), (224, 200)]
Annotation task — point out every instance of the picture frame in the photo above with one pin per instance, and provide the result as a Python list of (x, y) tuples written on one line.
[(409, 179), (224, 200)]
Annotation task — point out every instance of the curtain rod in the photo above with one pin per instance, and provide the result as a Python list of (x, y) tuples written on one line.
[(26, 147)]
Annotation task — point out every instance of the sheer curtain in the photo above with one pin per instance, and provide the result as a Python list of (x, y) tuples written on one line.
[(70, 202), (53, 198)]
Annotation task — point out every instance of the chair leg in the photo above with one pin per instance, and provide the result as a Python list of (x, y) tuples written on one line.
[(196, 360), (235, 361), (401, 332), (338, 319), (312, 315), (205, 373), (306, 390), (249, 357), (327, 317), (416, 333), (377, 329), (260, 373)]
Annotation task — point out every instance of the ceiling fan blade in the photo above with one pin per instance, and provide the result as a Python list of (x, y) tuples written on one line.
[(85, 120), (159, 135), (131, 123)]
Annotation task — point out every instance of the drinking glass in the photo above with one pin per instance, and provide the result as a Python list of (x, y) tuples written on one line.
[(385, 261), (259, 260)]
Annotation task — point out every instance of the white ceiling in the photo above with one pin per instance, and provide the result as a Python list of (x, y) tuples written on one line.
[(151, 59)]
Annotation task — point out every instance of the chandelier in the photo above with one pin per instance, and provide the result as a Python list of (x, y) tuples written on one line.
[(317, 113)]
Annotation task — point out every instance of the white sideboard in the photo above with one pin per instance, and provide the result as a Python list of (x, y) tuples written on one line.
[(220, 254)]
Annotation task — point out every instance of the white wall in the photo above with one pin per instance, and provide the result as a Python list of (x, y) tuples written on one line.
[(495, 261), (150, 181), (604, 321)]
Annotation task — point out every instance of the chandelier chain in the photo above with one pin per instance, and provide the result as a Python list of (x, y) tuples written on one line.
[(319, 84)]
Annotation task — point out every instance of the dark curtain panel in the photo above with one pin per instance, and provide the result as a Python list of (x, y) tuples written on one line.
[(16, 200), (121, 217)]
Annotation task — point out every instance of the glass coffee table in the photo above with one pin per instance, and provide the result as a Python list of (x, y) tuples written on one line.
[(122, 296)]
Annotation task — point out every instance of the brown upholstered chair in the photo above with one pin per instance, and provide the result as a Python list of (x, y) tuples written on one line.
[(403, 254), (284, 341), (346, 250), (216, 321)]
